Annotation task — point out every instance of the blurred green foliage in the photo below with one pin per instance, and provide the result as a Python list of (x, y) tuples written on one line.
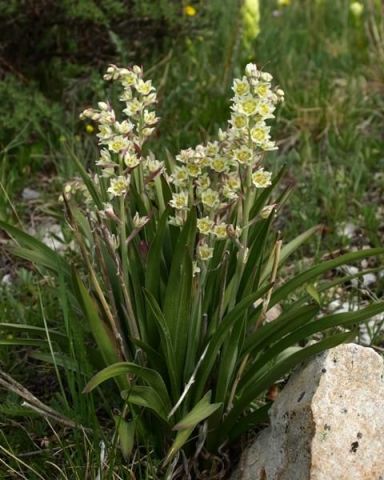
[(52, 54)]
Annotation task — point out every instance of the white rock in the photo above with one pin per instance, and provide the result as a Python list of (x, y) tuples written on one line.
[(351, 270), (368, 279), (53, 237), (30, 194), (348, 230), (6, 279), (327, 423)]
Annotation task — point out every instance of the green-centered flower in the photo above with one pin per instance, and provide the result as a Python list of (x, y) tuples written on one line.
[(179, 201), (243, 155), (119, 186), (204, 252), (241, 87), (131, 160), (261, 178), (118, 143), (204, 225), (220, 230), (210, 198)]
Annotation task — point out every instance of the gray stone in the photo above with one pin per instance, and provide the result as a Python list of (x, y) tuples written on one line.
[(326, 424), (30, 194)]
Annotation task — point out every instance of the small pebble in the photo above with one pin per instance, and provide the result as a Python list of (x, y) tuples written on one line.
[(30, 194)]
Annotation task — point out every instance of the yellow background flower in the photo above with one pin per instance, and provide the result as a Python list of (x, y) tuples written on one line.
[(190, 11)]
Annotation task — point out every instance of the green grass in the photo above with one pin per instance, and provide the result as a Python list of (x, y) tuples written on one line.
[(331, 126), (331, 137)]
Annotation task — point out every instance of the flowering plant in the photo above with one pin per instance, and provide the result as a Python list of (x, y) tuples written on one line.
[(179, 274)]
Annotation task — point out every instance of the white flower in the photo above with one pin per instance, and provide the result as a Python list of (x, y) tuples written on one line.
[(105, 133), (185, 155), (124, 127), (266, 77), (204, 252), (210, 198), (103, 106), (139, 222), (179, 201), (248, 106), (126, 96), (107, 118), (261, 179), (266, 109), (218, 164), (267, 210), (193, 169), (222, 135), (251, 70), (176, 221), (147, 132), (280, 94), (243, 155), (239, 121), (119, 186), (268, 146), (108, 212), (149, 99), (260, 133), (105, 156), (118, 143), (212, 149), (229, 193), (195, 269), (241, 87), (154, 165), (203, 182), (112, 73), (220, 231), (138, 70), (134, 106), (150, 117), (90, 113), (180, 176), (145, 88), (131, 160), (262, 90), (204, 225)]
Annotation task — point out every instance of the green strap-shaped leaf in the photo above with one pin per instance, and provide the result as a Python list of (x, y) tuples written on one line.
[(309, 275), (249, 279), (271, 332), (147, 397), (287, 250), (248, 422), (178, 295), (35, 251), (21, 327), (30, 342), (166, 343), (126, 431), (149, 376), (107, 345), (346, 319), (152, 273), (202, 410), (219, 336)]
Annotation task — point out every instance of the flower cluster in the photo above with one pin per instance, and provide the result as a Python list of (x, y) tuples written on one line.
[(121, 142), (219, 179), (217, 176)]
